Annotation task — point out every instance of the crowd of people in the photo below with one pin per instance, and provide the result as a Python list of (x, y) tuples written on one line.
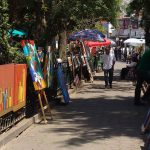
[(137, 67)]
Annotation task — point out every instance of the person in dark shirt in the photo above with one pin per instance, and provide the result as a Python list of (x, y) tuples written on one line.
[(143, 74), (116, 53)]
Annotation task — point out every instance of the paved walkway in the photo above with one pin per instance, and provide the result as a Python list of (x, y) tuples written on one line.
[(96, 119)]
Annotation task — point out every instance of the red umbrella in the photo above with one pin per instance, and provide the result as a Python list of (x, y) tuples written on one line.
[(94, 44)]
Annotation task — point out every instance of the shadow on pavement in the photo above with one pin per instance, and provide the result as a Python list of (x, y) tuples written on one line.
[(88, 119)]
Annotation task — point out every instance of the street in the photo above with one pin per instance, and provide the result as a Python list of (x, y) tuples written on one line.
[(96, 119)]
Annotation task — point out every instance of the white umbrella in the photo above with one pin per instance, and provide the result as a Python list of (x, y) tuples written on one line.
[(134, 42)]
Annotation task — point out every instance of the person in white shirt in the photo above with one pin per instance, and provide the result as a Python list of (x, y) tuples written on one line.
[(108, 62)]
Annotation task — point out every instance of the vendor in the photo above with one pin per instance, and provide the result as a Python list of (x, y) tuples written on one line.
[(129, 67)]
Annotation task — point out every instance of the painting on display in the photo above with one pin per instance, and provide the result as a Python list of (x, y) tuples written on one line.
[(40, 54), (48, 67), (6, 88), (33, 61), (12, 92), (20, 85)]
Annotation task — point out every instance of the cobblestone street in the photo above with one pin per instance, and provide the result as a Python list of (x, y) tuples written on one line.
[(95, 119)]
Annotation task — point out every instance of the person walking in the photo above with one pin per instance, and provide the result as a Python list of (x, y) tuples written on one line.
[(119, 53), (108, 62), (116, 53)]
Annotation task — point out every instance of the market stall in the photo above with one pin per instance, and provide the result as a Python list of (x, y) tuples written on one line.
[(98, 43)]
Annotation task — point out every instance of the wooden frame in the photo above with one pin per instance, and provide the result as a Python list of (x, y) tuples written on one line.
[(40, 93)]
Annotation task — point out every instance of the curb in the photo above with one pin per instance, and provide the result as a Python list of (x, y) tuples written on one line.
[(25, 123), (17, 129)]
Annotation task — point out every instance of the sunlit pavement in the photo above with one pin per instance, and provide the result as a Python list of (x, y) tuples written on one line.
[(96, 119)]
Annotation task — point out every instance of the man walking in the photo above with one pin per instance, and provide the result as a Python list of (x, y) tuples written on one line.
[(108, 66)]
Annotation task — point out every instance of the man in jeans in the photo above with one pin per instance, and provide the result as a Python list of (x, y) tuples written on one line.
[(108, 66)]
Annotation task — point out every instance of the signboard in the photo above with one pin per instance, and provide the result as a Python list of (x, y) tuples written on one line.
[(124, 23), (134, 24)]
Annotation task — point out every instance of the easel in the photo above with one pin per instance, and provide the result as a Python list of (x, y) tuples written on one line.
[(28, 47), (42, 92), (87, 63)]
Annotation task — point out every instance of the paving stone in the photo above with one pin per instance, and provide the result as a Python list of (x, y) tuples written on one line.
[(96, 119)]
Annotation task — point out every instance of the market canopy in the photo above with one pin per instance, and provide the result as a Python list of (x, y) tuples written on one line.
[(96, 44), (14, 32), (134, 42), (87, 34)]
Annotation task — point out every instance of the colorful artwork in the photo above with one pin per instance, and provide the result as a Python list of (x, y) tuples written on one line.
[(40, 54), (48, 67), (12, 88), (33, 61), (6, 88), (5, 99), (20, 84)]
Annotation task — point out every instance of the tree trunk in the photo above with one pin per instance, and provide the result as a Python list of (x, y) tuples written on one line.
[(62, 44), (41, 22)]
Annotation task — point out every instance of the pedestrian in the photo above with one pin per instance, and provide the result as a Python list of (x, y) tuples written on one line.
[(125, 54), (129, 68), (94, 57), (108, 62), (116, 53), (129, 58), (143, 74), (119, 53)]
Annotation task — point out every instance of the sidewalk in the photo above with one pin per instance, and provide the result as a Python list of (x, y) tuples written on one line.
[(96, 119)]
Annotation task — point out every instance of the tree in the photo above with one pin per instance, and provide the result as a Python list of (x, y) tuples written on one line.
[(112, 10), (135, 7), (45, 19), (4, 26), (147, 21), (80, 14)]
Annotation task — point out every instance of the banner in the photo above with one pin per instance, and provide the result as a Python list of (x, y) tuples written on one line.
[(33, 61)]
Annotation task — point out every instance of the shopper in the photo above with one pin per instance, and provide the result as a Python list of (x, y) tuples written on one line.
[(129, 68), (108, 66)]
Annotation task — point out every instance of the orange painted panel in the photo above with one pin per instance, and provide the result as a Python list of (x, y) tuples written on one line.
[(6, 86), (12, 87), (20, 84)]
